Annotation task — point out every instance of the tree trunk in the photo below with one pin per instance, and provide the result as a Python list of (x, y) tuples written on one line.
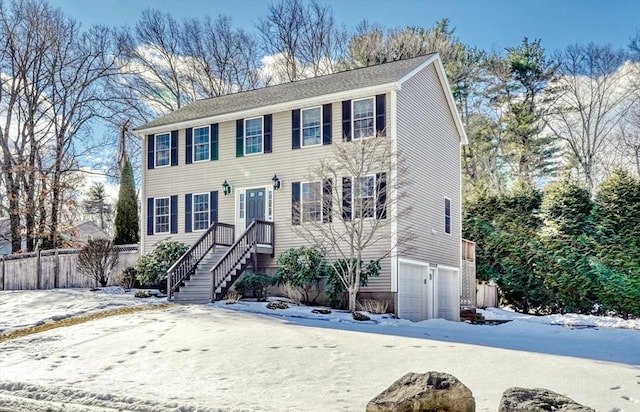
[(353, 298)]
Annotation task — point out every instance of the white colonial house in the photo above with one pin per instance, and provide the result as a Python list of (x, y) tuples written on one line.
[(227, 176)]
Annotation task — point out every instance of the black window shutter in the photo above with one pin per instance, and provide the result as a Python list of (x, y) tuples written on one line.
[(187, 212), (213, 206), (295, 129), (188, 154), (267, 132), (174, 148), (174, 214), (381, 200), (346, 120), (214, 141), (326, 124), (327, 200), (151, 162), (346, 198), (239, 137), (150, 204), (295, 203), (381, 128)]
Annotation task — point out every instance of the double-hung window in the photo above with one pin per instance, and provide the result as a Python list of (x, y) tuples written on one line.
[(364, 197), (200, 211), (163, 149), (363, 118), (201, 144), (447, 216), (311, 202), (162, 215), (311, 127), (253, 135)]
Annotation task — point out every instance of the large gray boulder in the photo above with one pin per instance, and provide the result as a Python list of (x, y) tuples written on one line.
[(424, 392), (534, 400)]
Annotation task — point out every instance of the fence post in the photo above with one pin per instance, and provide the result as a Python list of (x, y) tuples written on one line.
[(56, 270), (4, 257), (38, 270)]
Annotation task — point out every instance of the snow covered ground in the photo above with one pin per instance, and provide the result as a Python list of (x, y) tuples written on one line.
[(246, 357)]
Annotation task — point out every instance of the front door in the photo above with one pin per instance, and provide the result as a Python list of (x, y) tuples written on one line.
[(255, 205)]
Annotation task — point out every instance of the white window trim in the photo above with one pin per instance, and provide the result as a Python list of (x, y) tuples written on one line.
[(353, 120), (193, 144), (375, 196), (245, 136), (155, 150), (302, 145), (193, 211), (445, 217), (302, 221), (155, 215)]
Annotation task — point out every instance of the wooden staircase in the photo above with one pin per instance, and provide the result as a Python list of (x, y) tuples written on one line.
[(258, 238), (197, 287), (209, 268)]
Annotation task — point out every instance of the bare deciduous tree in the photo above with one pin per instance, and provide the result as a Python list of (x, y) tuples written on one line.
[(347, 209), (591, 96), (303, 39)]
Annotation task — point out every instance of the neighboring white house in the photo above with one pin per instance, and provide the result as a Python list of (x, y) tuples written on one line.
[(210, 169)]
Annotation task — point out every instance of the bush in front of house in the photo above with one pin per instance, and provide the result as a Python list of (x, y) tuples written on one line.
[(335, 287), (127, 278), (152, 268), (97, 259), (254, 284), (302, 269)]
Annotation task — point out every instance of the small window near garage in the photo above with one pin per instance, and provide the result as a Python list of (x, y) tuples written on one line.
[(447, 216)]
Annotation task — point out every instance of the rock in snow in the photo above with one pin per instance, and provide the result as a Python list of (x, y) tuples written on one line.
[(532, 400), (424, 392)]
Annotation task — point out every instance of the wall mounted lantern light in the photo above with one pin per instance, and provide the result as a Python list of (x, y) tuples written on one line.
[(276, 182), (226, 187)]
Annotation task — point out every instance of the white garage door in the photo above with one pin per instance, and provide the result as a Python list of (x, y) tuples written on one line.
[(410, 296), (448, 287)]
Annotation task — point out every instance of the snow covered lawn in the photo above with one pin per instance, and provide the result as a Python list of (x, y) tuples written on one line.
[(228, 357)]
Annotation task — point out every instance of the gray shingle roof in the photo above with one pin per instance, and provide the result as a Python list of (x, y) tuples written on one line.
[(317, 86)]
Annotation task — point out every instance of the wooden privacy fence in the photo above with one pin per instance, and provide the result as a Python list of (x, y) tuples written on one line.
[(57, 268)]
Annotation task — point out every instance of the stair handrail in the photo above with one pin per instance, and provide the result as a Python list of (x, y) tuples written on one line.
[(179, 271), (249, 239)]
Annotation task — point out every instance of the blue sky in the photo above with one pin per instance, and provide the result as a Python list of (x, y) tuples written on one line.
[(489, 24)]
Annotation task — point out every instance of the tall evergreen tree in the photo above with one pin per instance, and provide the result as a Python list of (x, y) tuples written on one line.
[(127, 223)]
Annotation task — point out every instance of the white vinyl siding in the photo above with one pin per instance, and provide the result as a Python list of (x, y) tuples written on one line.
[(200, 144), (430, 143), (162, 150), (253, 136), (311, 126), (162, 214), (200, 211), (363, 118)]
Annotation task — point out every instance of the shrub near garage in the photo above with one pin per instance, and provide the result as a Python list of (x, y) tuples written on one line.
[(302, 269)]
